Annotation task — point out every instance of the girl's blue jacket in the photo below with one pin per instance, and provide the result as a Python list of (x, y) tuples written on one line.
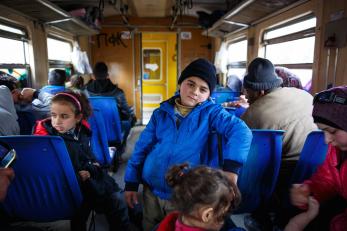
[(163, 144)]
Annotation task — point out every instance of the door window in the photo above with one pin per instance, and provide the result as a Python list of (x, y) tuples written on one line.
[(152, 64)]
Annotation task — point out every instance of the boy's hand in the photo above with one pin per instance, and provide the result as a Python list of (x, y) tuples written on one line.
[(232, 177), (299, 194), (85, 175), (131, 198)]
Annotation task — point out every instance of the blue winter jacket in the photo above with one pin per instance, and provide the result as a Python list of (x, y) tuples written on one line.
[(52, 89), (162, 144)]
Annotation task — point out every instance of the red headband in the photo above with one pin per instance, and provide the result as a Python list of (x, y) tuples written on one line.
[(74, 99)]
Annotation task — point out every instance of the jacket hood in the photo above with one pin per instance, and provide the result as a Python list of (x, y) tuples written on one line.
[(44, 128), (101, 86), (6, 101)]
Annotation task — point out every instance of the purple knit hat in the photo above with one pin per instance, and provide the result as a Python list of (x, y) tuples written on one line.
[(330, 107)]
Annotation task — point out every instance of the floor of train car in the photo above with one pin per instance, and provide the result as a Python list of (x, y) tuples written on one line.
[(100, 220)]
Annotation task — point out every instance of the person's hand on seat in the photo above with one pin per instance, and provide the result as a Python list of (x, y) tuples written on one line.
[(85, 175), (131, 198), (27, 95), (6, 175)]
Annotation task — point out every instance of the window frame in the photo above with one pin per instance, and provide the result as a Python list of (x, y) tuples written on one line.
[(238, 64), (54, 63), (310, 32), (24, 38)]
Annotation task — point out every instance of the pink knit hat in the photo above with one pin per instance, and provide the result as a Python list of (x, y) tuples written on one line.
[(330, 107)]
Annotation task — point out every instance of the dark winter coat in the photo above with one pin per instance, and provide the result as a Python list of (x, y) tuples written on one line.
[(105, 87), (100, 183)]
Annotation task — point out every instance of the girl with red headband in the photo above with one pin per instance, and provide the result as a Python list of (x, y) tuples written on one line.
[(69, 112)]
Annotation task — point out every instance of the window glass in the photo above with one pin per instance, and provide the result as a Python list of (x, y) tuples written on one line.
[(296, 51), (237, 51), (300, 26), (13, 51), (151, 64), (59, 50), (296, 54), (237, 59)]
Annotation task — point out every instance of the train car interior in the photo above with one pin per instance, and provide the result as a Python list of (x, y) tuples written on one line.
[(145, 45)]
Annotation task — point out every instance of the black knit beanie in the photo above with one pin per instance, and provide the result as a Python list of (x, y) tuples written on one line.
[(261, 76), (203, 69), (330, 107)]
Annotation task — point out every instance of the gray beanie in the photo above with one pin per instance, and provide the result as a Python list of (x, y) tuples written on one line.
[(261, 76)]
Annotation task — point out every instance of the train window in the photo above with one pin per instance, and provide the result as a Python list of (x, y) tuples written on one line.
[(292, 45), (15, 49), (152, 64), (59, 54), (237, 58)]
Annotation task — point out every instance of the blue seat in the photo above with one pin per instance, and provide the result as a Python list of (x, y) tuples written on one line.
[(108, 107), (45, 187), (99, 138), (222, 95), (26, 121), (258, 176), (312, 155)]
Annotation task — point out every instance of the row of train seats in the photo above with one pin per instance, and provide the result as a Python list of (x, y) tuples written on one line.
[(46, 189), (222, 95), (258, 177)]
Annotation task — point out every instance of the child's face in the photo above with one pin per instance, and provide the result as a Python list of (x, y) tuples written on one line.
[(194, 90), (63, 117), (335, 137)]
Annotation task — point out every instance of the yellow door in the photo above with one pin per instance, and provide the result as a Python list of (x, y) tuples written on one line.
[(159, 70)]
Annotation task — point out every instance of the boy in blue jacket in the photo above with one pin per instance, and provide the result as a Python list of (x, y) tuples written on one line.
[(178, 132)]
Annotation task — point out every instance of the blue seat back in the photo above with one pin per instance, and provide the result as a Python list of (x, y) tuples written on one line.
[(99, 138), (108, 107), (258, 176), (224, 95), (45, 187), (26, 121), (312, 155)]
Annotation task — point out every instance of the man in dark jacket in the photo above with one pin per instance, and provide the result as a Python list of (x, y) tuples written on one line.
[(101, 85)]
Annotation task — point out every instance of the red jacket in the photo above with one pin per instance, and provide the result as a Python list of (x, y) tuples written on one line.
[(41, 130), (171, 223), (330, 181)]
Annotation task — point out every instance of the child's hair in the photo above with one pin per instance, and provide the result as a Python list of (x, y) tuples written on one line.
[(194, 187), (77, 81), (78, 102)]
